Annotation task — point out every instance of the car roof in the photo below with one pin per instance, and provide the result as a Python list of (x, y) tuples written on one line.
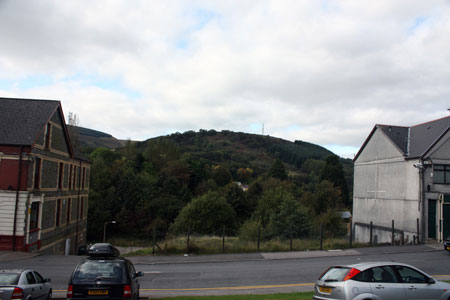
[(14, 271), (367, 265)]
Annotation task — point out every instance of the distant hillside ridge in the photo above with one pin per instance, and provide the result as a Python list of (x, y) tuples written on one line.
[(89, 138), (243, 150)]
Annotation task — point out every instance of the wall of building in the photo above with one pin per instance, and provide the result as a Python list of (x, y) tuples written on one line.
[(384, 191), (52, 176)]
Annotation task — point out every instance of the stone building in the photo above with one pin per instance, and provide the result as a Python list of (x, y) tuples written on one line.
[(402, 183), (44, 185)]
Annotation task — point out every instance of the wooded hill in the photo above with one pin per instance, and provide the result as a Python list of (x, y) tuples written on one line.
[(172, 180), (237, 150)]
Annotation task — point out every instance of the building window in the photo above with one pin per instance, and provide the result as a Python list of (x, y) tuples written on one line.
[(442, 174), (70, 176), (48, 129), (84, 178), (61, 175), (37, 172), (34, 215), (69, 206), (74, 177), (58, 212)]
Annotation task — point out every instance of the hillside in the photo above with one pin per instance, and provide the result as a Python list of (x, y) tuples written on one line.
[(89, 139), (243, 150), (170, 181)]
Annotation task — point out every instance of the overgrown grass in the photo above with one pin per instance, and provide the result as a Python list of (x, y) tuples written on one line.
[(291, 296), (216, 245)]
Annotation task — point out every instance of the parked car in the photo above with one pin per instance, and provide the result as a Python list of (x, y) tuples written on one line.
[(24, 284), (378, 280), (447, 244), (104, 275)]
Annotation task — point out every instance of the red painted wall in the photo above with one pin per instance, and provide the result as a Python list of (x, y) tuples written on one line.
[(9, 169), (6, 243)]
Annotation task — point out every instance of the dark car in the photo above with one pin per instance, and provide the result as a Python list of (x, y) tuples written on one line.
[(24, 284), (104, 275), (447, 244)]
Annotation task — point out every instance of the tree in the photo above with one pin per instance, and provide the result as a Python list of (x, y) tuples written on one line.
[(290, 220), (74, 133), (206, 214), (221, 175), (333, 172), (245, 174), (238, 201), (269, 203), (278, 171), (326, 196)]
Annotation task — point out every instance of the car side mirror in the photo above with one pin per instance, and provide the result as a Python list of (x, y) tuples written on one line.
[(431, 281), (139, 274), (47, 280)]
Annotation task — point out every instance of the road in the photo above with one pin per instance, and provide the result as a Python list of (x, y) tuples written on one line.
[(256, 273)]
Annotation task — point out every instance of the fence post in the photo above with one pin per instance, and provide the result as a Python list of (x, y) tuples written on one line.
[(290, 237), (259, 235), (223, 239), (321, 236), (351, 234), (188, 237), (393, 233), (154, 239)]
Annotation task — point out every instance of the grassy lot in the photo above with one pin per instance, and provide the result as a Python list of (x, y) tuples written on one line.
[(291, 296), (214, 245)]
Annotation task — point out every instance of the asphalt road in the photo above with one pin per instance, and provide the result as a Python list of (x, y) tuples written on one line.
[(256, 273)]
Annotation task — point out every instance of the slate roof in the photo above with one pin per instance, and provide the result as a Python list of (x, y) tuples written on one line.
[(22, 120), (414, 141)]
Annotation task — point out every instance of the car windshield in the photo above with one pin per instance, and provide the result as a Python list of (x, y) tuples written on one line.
[(99, 270), (9, 278), (335, 274)]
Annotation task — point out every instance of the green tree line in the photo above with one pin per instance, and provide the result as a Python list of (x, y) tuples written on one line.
[(206, 181)]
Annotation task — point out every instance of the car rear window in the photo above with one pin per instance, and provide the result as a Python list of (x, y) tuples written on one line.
[(91, 270), (9, 279), (335, 274)]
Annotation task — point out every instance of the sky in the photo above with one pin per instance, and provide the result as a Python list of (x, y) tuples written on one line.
[(321, 71)]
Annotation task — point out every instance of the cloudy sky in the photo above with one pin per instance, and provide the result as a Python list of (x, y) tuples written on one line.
[(321, 71)]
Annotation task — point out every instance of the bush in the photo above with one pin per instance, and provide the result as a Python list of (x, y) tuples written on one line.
[(206, 214)]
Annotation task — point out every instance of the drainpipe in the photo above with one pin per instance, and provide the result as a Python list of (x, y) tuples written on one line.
[(422, 212), (19, 179)]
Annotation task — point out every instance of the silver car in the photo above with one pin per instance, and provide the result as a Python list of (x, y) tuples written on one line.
[(378, 281), (24, 284)]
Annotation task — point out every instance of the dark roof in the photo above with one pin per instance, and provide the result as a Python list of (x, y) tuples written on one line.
[(22, 120), (424, 136), (415, 141), (398, 135)]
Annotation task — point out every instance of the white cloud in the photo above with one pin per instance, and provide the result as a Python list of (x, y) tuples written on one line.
[(320, 71)]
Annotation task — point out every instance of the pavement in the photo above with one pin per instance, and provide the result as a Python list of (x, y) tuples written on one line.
[(192, 258)]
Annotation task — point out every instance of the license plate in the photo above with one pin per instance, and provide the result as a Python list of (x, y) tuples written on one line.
[(98, 292), (325, 290)]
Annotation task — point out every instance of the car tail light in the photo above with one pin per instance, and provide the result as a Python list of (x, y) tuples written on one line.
[(17, 293), (127, 291), (352, 273), (70, 291)]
